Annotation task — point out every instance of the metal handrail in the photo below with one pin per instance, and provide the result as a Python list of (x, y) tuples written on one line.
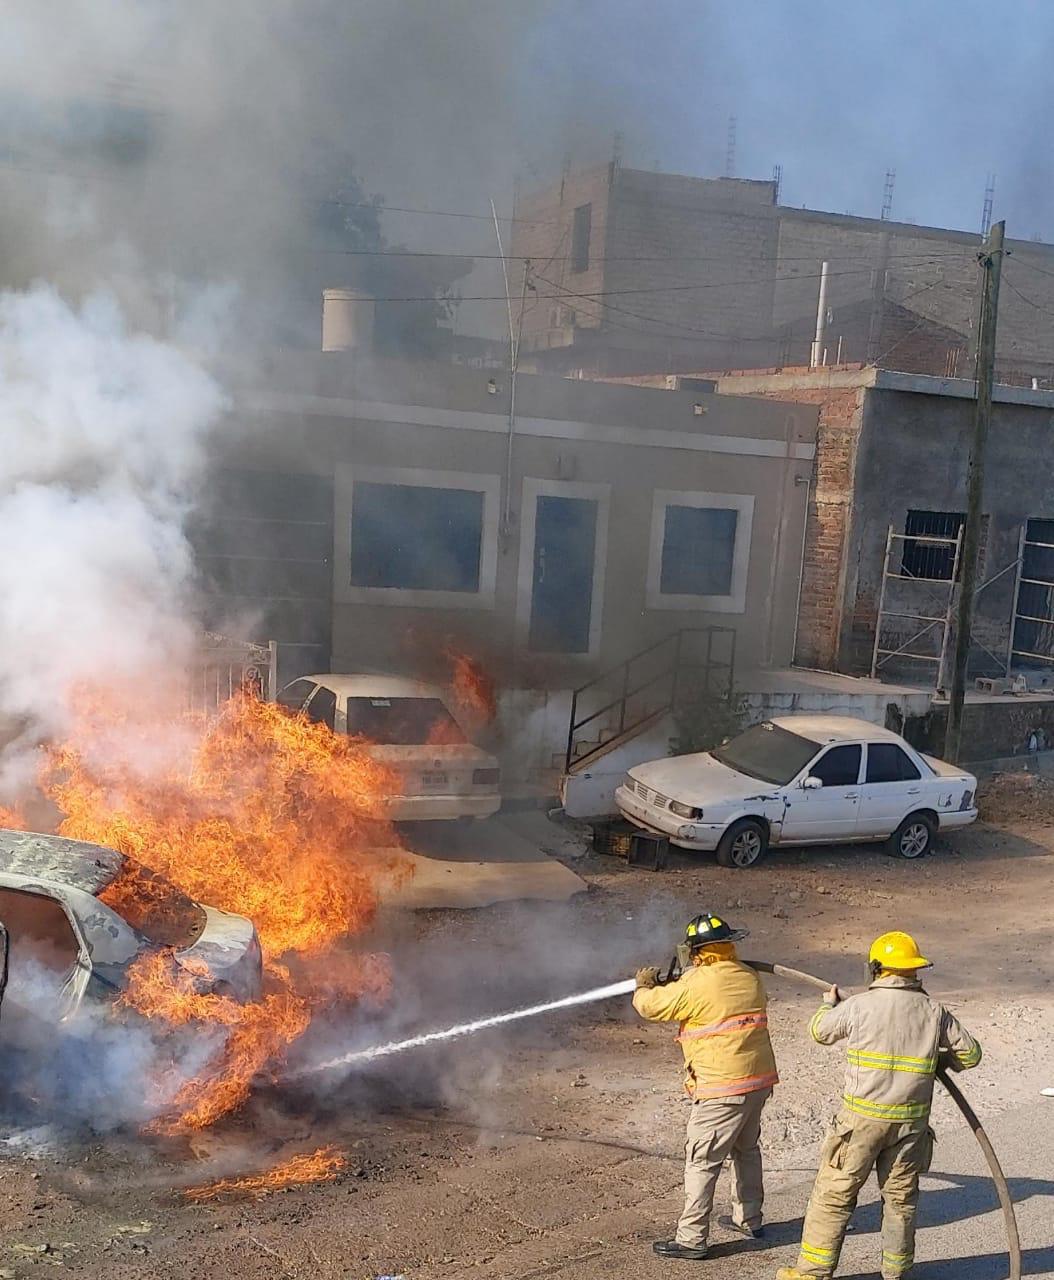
[(672, 671)]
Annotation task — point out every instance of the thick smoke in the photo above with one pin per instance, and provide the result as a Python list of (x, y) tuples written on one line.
[(104, 437)]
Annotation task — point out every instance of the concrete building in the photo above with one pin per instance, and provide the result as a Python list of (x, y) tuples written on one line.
[(378, 515), (892, 458), (639, 272)]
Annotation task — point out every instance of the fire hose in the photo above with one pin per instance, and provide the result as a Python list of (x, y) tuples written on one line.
[(994, 1168)]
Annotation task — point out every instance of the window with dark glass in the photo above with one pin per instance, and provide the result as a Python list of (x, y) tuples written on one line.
[(698, 550), (416, 537), (294, 695), (322, 708), (840, 767), (886, 762), (928, 559)]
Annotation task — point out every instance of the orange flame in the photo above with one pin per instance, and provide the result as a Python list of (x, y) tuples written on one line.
[(275, 818), (473, 689), (265, 815), (257, 1034), (12, 819), (317, 1166)]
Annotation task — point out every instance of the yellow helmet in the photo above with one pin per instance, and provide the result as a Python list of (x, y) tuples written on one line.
[(896, 950)]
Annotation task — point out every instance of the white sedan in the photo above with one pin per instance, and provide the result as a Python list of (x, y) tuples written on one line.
[(800, 780), (411, 727)]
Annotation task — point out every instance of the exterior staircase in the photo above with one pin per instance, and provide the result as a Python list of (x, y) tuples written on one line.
[(630, 704)]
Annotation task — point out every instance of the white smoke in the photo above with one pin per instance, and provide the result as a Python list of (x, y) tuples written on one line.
[(104, 437)]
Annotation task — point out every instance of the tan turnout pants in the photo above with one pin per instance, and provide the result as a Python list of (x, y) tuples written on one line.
[(721, 1129), (899, 1153)]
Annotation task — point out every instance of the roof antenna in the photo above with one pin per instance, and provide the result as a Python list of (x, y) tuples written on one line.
[(887, 194), (730, 149), (986, 212)]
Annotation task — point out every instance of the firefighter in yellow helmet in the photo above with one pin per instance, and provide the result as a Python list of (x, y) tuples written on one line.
[(896, 1038), (720, 1006)]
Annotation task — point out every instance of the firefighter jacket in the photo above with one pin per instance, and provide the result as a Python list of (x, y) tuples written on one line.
[(896, 1035), (723, 1033)]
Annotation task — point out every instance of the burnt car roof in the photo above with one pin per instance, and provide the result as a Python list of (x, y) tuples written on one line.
[(85, 866)]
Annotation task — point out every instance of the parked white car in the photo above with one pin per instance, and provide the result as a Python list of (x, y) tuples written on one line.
[(411, 727), (800, 780)]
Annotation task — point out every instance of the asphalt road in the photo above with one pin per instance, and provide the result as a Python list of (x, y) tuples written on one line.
[(961, 1233)]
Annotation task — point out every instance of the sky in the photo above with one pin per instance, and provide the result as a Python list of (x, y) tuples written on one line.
[(944, 92), (445, 104)]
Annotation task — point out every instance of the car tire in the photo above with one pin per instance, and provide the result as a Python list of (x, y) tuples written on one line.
[(743, 845), (914, 837)]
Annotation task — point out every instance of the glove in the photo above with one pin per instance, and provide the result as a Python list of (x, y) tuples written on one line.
[(648, 977), (832, 997)]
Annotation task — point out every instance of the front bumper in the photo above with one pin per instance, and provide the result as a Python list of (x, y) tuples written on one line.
[(684, 834), (442, 808)]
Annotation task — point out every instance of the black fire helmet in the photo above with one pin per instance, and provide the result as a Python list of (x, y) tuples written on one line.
[(707, 928)]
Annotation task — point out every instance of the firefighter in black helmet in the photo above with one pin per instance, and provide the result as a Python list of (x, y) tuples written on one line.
[(720, 1006)]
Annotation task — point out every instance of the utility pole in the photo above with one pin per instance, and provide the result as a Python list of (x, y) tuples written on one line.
[(816, 351), (991, 261)]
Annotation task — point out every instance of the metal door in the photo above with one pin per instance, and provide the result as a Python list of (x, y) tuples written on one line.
[(565, 534)]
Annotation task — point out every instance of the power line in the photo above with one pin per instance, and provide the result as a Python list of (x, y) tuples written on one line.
[(1024, 298), (687, 329), (922, 258), (622, 293), (437, 213)]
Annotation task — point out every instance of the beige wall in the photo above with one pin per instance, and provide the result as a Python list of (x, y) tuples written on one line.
[(621, 445)]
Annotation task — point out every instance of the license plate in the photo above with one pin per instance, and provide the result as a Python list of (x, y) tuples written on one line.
[(434, 779)]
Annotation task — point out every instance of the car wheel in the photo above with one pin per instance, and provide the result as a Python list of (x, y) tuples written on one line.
[(914, 837), (743, 844)]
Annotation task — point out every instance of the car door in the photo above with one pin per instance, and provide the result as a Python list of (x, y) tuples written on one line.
[(830, 811), (892, 788)]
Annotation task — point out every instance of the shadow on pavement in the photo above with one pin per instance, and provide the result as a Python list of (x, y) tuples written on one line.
[(959, 1197), (962, 1196), (987, 1266)]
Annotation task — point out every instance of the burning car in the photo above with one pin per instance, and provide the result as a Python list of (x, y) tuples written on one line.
[(411, 727), (79, 914)]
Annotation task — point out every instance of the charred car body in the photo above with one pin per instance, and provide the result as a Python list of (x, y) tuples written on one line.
[(78, 915)]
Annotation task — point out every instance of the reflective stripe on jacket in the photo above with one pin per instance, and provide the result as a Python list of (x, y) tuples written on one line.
[(723, 1034), (896, 1035)]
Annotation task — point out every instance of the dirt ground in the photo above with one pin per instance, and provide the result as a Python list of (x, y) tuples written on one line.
[(554, 1147)]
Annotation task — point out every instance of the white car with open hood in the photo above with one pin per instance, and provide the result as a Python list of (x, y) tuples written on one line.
[(411, 727), (800, 780)]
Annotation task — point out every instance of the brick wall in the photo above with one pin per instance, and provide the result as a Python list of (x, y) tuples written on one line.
[(827, 530)]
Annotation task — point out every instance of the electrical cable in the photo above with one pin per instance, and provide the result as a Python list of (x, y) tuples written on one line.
[(622, 293), (995, 1169), (918, 259)]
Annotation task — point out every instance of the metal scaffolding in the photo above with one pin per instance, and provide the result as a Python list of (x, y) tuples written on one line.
[(938, 598), (1032, 632)]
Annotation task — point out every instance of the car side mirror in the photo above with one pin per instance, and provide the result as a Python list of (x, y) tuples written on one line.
[(811, 783)]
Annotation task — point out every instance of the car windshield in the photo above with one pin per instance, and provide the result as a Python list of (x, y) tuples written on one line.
[(767, 752), (403, 722), (154, 907)]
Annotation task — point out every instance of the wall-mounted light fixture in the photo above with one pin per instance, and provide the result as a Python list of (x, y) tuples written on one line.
[(698, 409), (492, 388)]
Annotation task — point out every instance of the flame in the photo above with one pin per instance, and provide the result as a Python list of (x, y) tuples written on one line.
[(12, 819), (473, 690), (274, 818), (260, 813), (317, 1166), (159, 987)]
